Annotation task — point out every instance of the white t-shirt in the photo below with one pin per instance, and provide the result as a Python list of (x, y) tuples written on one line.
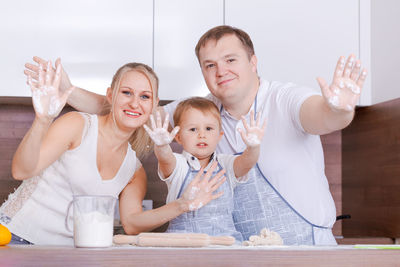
[(39, 205), (290, 158), (177, 177)]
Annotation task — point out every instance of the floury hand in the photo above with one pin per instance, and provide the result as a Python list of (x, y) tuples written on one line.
[(160, 134), (254, 132), (202, 189), (46, 98), (344, 92), (32, 72)]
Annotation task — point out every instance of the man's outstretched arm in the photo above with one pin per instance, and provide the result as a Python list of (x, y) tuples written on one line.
[(334, 110)]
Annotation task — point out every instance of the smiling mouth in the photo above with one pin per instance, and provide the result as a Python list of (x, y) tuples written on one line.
[(131, 113), (225, 81)]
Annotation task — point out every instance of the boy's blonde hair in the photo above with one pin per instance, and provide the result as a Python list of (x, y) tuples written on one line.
[(139, 140), (200, 103)]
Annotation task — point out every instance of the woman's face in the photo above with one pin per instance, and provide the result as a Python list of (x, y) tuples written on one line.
[(134, 101)]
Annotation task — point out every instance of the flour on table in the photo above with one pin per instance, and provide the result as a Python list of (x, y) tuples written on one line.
[(266, 238)]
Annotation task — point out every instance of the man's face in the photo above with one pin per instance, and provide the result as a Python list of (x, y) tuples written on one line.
[(227, 69)]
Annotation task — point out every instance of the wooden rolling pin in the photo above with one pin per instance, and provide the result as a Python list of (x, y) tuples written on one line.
[(173, 240)]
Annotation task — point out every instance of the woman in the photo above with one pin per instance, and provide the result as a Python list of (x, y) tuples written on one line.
[(83, 154)]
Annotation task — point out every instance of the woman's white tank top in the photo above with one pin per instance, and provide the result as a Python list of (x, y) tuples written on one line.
[(36, 210)]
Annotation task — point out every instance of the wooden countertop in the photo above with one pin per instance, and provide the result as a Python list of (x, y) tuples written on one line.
[(210, 256)]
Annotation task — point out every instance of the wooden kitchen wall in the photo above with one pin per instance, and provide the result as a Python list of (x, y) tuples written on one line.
[(15, 120), (371, 171), (332, 145)]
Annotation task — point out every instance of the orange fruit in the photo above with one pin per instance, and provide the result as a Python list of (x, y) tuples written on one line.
[(5, 235)]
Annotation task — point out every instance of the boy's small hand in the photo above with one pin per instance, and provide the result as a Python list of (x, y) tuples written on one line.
[(254, 133), (160, 134)]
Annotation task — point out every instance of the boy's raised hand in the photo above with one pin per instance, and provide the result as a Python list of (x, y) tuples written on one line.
[(159, 134), (201, 189), (47, 100), (254, 133)]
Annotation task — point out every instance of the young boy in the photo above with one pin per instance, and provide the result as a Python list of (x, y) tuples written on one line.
[(199, 124)]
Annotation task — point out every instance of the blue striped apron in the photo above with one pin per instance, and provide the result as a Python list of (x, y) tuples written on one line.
[(214, 219), (258, 205)]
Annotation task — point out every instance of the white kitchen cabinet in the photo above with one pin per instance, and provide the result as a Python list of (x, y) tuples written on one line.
[(93, 39), (178, 25), (297, 41), (381, 42), (294, 40)]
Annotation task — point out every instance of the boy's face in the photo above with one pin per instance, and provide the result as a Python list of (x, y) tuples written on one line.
[(199, 134)]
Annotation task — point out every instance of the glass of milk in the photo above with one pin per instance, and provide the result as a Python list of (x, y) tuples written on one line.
[(93, 218)]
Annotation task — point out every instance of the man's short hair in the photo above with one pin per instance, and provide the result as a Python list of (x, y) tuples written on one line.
[(218, 32)]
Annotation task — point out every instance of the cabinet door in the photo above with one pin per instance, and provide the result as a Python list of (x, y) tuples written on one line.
[(93, 39), (178, 25), (296, 41)]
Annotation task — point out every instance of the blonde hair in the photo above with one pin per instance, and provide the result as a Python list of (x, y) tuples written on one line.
[(139, 140), (200, 103)]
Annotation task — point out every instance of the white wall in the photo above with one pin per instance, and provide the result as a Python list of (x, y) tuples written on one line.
[(92, 37), (385, 47), (178, 25), (295, 40)]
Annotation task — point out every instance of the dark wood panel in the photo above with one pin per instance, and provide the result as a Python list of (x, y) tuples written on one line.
[(365, 240), (371, 171), (332, 144)]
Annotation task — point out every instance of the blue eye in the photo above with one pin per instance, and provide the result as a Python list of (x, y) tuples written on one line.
[(208, 66), (145, 97), (126, 92)]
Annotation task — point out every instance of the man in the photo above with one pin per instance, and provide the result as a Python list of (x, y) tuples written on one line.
[(287, 191)]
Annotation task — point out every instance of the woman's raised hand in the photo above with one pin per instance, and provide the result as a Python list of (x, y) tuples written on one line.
[(159, 134), (32, 72), (47, 100), (201, 189), (254, 132)]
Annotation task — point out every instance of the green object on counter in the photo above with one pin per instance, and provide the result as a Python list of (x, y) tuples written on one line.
[(377, 246)]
